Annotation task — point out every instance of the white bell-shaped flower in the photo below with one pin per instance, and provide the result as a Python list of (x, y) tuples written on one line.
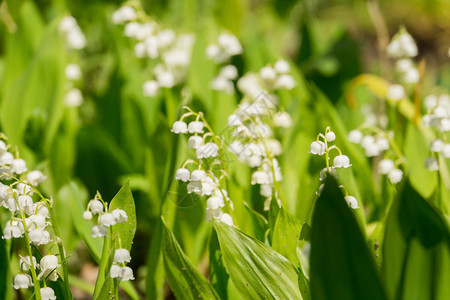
[(22, 281), (35, 177), (18, 166), (215, 202), (198, 175), (396, 92), (282, 66), (182, 174), (96, 206), (119, 215), (25, 263), (73, 72), (437, 145), (330, 136), (282, 119), (115, 271), (195, 127), (126, 274), (87, 215), (207, 150), (99, 231), (179, 127), (227, 219), (355, 136), (107, 219), (39, 237), (13, 229), (194, 142), (352, 202), (324, 172), (341, 161), (47, 293), (385, 166), (121, 256), (260, 177), (150, 88), (48, 265), (395, 176), (317, 147)]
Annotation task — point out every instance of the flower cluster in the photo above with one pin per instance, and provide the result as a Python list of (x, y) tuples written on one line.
[(105, 218), (377, 144), (438, 118), (171, 52), (270, 78), (253, 124), (226, 46), (73, 36), (30, 219), (321, 146), (119, 269), (210, 167)]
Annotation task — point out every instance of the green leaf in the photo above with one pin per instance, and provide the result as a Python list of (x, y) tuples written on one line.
[(184, 279), (217, 271), (286, 235), (416, 152), (124, 200), (341, 264), (260, 224), (416, 249), (257, 271)]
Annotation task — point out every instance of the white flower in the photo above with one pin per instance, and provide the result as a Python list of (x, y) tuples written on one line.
[(124, 14), (195, 127), (317, 147), (330, 136), (396, 92), (385, 166), (212, 213), (222, 84), (230, 44), (266, 190), (25, 201), (229, 72), (198, 175), (207, 150), (285, 81), (446, 151), (13, 229), (6, 158), (395, 176), (22, 281), (382, 144), (18, 166), (282, 66), (48, 265), (73, 98), (115, 271), (352, 202), (35, 222), (234, 120), (179, 127), (324, 172), (119, 215), (411, 76), (227, 219), (182, 174), (268, 73), (25, 263), (47, 293), (39, 237), (121, 256), (42, 210), (437, 145), (260, 177), (235, 147), (341, 161), (195, 187), (150, 88), (106, 219), (35, 177), (431, 164), (215, 202), (87, 215), (73, 72), (165, 79), (404, 64), (126, 274), (194, 142), (96, 206), (282, 119), (99, 231)]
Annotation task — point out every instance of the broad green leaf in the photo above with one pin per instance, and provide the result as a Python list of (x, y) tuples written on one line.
[(184, 279), (124, 200), (257, 271), (286, 235), (416, 249), (217, 271), (416, 152), (259, 223), (341, 264)]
